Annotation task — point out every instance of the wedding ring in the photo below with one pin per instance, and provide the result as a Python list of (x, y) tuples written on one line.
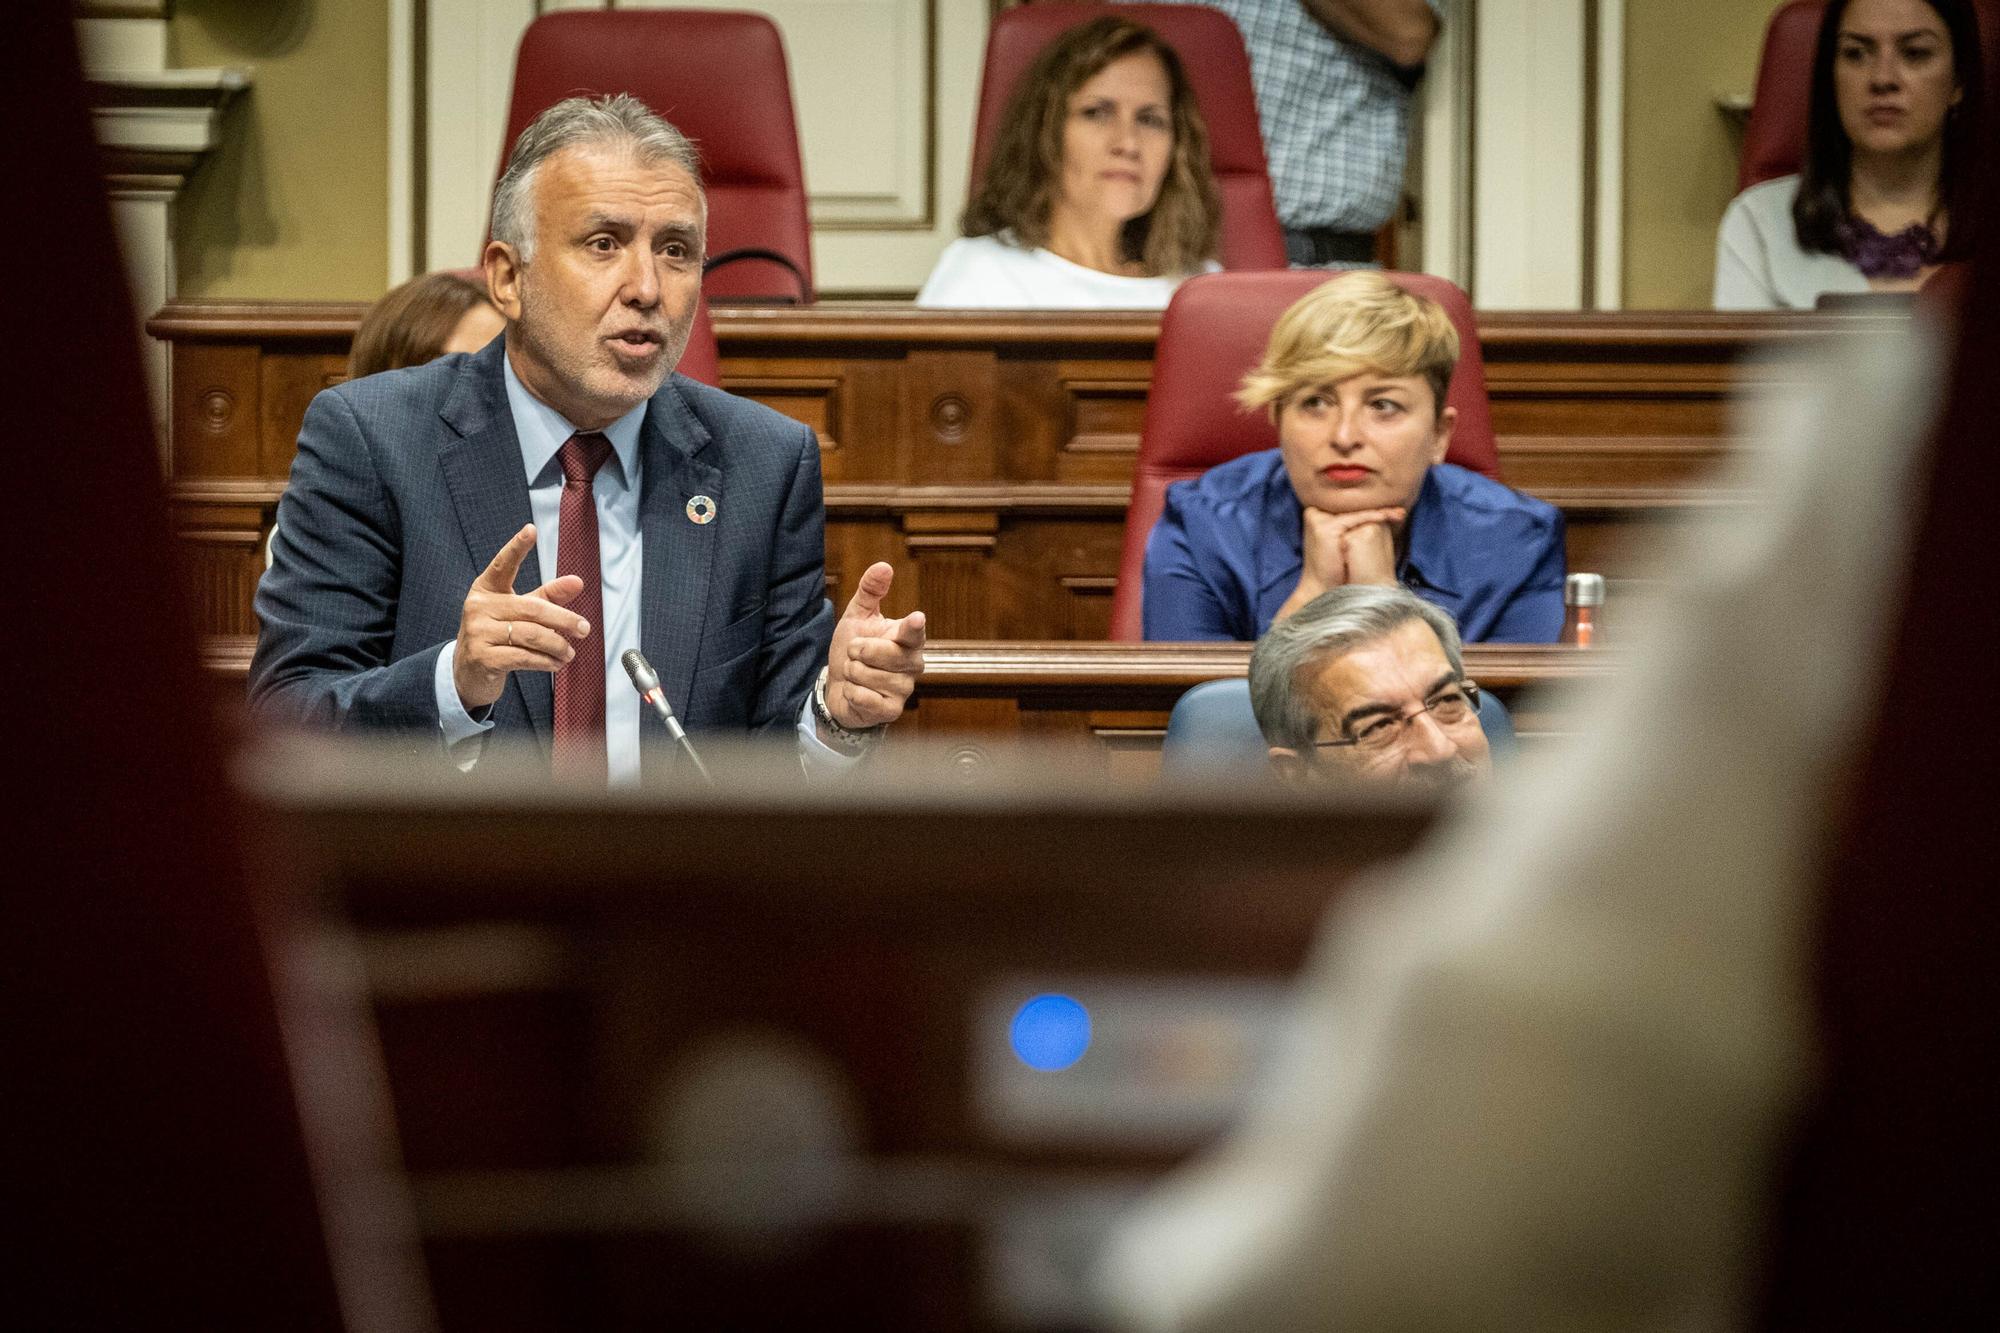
[(510, 634)]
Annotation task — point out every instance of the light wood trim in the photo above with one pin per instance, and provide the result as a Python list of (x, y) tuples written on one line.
[(998, 664)]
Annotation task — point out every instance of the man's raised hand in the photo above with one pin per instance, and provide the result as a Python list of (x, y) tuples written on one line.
[(875, 661), (500, 630)]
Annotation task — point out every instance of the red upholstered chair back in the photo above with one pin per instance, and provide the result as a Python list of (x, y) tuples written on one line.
[(1218, 68), (1212, 333), (720, 77), (1774, 142), (702, 360)]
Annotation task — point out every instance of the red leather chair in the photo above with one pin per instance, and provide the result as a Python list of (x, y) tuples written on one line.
[(702, 360), (720, 77), (1218, 68), (1214, 331), (1774, 141)]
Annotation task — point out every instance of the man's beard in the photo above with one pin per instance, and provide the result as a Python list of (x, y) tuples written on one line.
[(578, 369)]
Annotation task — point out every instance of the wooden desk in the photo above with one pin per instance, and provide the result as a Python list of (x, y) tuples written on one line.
[(989, 457), (1110, 699), (668, 1063)]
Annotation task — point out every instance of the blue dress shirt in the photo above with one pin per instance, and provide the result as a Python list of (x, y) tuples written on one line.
[(1228, 551), (542, 432)]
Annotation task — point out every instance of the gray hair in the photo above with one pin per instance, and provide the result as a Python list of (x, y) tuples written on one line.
[(581, 122), (1330, 625)]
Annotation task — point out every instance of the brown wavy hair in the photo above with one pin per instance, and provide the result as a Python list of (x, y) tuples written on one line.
[(1178, 234), (411, 324)]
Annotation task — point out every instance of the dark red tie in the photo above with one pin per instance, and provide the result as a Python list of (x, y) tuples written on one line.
[(579, 737)]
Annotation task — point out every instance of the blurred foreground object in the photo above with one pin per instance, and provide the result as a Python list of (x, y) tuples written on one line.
[(659, 1061), (157, 1171), (1565, 1069)]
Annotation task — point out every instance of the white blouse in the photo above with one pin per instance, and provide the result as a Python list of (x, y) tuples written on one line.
[(989, 273), (1758, 262)]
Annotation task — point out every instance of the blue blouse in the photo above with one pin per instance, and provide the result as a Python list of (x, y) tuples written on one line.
[(1227, 552)]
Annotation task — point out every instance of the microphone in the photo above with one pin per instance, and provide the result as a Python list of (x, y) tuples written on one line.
[(647, 682)]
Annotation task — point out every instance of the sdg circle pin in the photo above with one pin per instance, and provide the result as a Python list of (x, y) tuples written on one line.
[(700, 510)]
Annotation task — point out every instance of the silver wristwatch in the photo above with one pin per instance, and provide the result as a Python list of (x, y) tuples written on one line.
[(847, 736)]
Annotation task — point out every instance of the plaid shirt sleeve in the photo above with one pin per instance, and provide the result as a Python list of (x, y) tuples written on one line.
[(1335, 117)]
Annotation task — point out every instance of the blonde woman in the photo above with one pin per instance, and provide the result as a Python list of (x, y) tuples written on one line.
[(1357, 490)]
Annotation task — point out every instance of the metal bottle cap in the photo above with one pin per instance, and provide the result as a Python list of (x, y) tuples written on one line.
[(1583, 590)]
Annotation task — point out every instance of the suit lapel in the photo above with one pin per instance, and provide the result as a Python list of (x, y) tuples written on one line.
[(482, 472), (679, 553)]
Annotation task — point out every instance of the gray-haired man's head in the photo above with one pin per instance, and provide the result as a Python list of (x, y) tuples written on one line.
[(599, 228), (1368, 681), (617, 121)]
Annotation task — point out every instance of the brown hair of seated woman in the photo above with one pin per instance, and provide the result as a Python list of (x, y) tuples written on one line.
[(1024, 171), (413, 323)]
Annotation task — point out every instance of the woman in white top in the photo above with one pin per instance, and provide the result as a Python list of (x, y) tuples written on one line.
[(1893, 118), (1098, 193)]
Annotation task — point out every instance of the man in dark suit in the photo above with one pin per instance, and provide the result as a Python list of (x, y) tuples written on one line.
[(425, 506)]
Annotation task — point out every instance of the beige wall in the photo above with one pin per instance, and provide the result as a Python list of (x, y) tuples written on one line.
[(295, 203), (1680, 154)]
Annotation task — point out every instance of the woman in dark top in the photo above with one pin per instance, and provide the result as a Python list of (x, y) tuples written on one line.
[(1894, 113)]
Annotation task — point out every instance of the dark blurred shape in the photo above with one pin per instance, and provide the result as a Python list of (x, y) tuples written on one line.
[(414, 323), (742, 122), (1218, 69), (662, 1063), (156, 1170), (1887, 1220), (1213, 332)]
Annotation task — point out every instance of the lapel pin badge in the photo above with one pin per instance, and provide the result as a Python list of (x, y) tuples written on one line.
[(700, 510)]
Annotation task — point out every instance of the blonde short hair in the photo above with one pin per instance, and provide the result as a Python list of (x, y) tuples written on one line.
[(1356, 322)]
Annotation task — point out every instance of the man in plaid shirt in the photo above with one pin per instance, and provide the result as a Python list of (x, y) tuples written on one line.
[(1333, 81)]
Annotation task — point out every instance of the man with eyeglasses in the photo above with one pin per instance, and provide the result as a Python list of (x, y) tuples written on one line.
[(1367, 683)]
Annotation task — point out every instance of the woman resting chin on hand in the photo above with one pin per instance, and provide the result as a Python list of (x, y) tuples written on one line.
[(1357, 490)]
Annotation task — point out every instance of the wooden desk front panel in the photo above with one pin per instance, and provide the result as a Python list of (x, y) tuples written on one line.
[(1109, 700), (989, 457), (569, 998)]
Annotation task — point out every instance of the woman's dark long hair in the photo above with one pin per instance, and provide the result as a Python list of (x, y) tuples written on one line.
[(1822, 203)]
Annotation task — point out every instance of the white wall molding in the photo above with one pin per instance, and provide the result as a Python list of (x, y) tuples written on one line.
[(155, 125), (1528, 137), (467, 77), (1445, 128), (1610, 111), (402, 142)]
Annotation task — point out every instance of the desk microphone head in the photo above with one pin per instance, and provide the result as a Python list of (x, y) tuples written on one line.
[(644, 678), (647, 682)]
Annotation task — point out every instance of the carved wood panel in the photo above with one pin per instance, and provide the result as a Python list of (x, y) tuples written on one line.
[(988, 457)]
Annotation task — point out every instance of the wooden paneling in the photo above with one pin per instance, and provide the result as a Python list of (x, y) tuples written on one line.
[(989, 456)]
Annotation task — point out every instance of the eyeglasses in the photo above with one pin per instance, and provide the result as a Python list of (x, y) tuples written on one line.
[(1453, 706)]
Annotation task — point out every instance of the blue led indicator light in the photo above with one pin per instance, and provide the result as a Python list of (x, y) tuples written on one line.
[(1050, 1032)]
